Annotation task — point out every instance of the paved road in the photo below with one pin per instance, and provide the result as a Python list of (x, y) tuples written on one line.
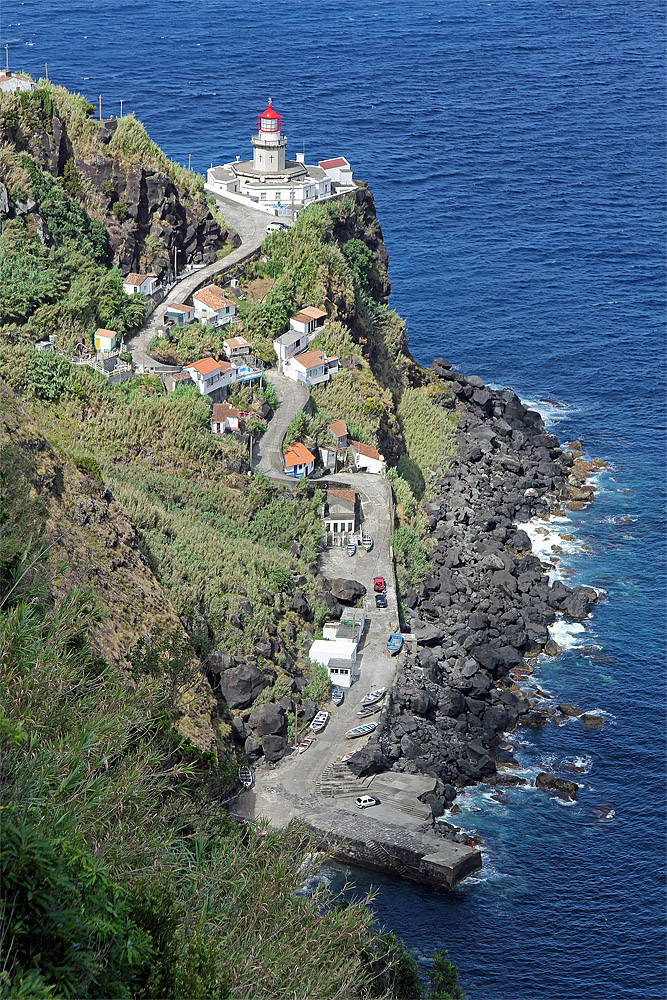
[(251, 227), (292, 397)]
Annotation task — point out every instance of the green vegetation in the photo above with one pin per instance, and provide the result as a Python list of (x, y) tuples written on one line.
[(131, 142), (429, 432), (181, 345)]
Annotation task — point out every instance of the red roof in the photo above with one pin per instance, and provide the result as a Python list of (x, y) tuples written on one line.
[(223, 410), (365, 449), (338, 428), (269, 113), (338, 161), (348, 495), (205, 366), (298, 454)]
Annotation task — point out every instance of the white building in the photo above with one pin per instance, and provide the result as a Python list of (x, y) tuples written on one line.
[(309, 321), (289, 344), (211, 376), (339, 515), (10, 83), (179, 314), (311, 368), (367, 458), (339, 170), (271, 182), (211, 306), (339, 656), (139, 284), (224, 418)]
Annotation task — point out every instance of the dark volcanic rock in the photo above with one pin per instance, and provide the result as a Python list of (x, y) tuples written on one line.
[(268, 719), (563, 787), (241, 685), (368, 760), (274, 747), (348, 591)]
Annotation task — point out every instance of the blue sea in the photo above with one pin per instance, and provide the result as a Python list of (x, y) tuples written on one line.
[(516, 151)]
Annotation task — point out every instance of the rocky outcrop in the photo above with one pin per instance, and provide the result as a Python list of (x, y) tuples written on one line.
[(347, 591), (561, 786), (241, 685), (486, 604)]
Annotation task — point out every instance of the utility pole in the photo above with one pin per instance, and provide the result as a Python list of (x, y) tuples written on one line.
[(121, 107), (7, 54), (100, 108), (189, 161), (46, 71)]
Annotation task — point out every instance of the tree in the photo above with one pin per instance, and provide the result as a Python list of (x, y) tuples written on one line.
[(444, 978)]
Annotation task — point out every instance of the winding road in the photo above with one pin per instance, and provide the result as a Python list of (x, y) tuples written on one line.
[(251, 227)]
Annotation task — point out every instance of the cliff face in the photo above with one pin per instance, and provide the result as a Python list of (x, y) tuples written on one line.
[(149, 214), (92, 543)]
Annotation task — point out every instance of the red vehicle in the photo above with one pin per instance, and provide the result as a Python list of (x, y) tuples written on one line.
[(379, 584)]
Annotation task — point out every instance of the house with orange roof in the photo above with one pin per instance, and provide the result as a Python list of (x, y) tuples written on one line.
[(367, 458), (179, 313), (309, 320), (299, 462), (338, 431), (303, 328), (213, 307), (106, 340), (312, 368), (139, 284), (211, 377)]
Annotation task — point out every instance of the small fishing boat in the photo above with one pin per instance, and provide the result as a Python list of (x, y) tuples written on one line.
[(319, 722), (348, 755), (394, 643), (245, 777), (367, 541), (351, 548), (369, 710), (373, 696), (337, 696), (304, 744), (366, 730)]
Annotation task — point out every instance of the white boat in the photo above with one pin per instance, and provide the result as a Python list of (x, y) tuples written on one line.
[(351, 548), (348, 755), (337, 696), (373, 696), (304, 744), (366, 730), (245, 777), (367, 541), (319, 722), (369, 710)]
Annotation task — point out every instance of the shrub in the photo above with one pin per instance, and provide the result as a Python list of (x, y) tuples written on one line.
[(89, 467), (318, 688)]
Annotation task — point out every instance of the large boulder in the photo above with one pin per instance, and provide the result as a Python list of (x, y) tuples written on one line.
[(241, 685), (348, 591), (274, 747), (368, 760), (566, 789), (422, 701), (269, 719), (253, 748), (425, 633)]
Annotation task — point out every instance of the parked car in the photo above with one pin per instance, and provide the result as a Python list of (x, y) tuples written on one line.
[(364, 801), (276, 227), (379, 585), (380, 600)]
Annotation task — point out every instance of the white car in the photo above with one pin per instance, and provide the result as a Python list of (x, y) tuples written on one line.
[(364, 801), (275, 227)]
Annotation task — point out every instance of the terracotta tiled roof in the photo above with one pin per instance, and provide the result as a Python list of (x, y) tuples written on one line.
[(212, 297), (179, 307), (181, 376), (311, 359), (223, 410), (106, 333), (338, 161), (338, 428), (206, 365), (365, 449), (136, 279), (312, 312), (298, 454), (341, 494), (236, 342)]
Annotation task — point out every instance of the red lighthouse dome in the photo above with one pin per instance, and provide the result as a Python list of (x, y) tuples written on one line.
[(269, 121)]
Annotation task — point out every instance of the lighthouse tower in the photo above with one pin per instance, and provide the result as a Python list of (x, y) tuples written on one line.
[(269, 145)]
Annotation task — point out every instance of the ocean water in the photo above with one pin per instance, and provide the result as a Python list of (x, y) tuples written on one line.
[(516, 151)]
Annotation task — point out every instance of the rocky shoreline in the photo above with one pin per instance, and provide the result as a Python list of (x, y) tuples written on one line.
[(484, 611)]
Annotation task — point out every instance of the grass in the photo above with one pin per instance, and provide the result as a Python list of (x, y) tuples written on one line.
[(429, 432)]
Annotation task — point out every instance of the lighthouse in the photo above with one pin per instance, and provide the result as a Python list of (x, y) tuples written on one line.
[(272, 183), (269, 144)]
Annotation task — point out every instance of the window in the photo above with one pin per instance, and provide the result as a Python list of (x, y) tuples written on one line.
[(350, 526), (335, 527)]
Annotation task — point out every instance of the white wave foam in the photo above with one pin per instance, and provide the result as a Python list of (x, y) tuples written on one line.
[(567, 634)]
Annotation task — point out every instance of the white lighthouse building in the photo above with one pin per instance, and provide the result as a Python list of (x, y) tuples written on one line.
[(270, 181)]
